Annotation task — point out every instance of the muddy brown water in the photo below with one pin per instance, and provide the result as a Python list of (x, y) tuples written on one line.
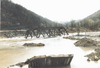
[(12, 51)]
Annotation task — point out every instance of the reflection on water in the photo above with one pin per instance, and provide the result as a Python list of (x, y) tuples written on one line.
[(69, 66), (86, 49), (92, 35), (12, 51)]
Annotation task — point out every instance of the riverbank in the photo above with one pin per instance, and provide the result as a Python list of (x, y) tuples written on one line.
[(13, 48), (89, 43)]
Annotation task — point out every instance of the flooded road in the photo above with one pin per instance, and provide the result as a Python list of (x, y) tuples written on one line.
[(12, 51)]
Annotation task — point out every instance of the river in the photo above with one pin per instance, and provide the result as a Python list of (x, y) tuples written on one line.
[(12, 51)]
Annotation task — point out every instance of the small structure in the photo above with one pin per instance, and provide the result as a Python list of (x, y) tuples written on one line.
[(49, 61)]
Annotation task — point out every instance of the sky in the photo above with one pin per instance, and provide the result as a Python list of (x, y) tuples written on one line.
[(61, 10)]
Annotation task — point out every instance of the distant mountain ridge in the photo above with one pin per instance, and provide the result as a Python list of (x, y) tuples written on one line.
[(14, 16)]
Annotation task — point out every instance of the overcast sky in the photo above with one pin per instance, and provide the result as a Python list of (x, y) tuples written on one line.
[(61, 10)]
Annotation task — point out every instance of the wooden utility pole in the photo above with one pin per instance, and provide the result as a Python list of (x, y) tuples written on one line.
[(85, 32)]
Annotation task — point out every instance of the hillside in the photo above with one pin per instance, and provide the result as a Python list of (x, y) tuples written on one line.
[(95, 16), (14, 16), (91, 22)]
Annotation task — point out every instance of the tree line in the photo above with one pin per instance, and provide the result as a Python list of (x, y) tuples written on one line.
[(91, 22)]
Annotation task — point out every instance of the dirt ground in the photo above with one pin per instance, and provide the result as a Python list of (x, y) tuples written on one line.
[(94, 56), (33, 44), (86, 42)]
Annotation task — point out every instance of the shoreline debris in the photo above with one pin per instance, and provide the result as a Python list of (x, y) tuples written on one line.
[(33, 44)]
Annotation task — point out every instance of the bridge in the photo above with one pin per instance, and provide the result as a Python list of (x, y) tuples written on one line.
[(36, 32), (49, 31)]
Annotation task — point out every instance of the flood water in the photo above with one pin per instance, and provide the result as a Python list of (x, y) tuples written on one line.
[(12, 51)]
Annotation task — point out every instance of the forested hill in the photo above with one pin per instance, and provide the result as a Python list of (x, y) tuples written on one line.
[(95, 16), (14, 16), (91, 22)]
